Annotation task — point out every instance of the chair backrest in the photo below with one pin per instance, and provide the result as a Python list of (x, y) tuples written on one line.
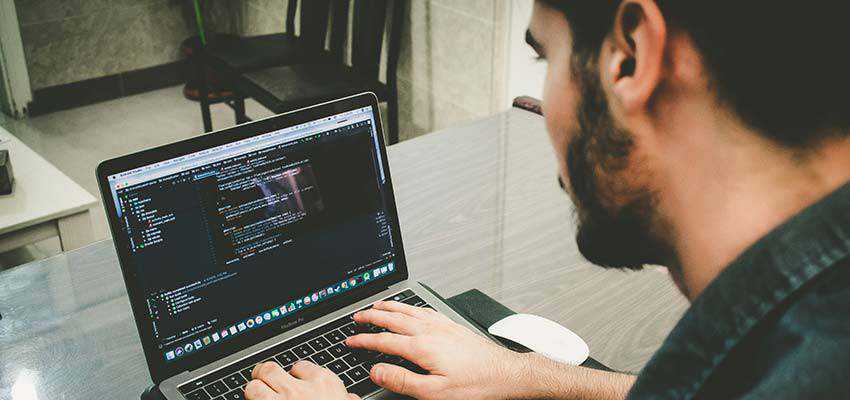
[(314, 19), (339, 31), (325, 26), (368, 33), (370, 19), (291, 7)]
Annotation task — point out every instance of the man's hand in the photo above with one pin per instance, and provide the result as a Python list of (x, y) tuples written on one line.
[(305, 381), (462, 365)]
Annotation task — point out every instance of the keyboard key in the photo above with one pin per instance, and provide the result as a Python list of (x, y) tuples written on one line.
[(191, 386), (415, 301), (235, 380), (319, 343), (368, 328), (335, 336), (358, 374), (364, 388), (349, 330), (237, 394), (286, 358), (401, 362), (247, 372), (272, 360), (382, 358), (303, 351), (345, 379), (401, 296), (216, 388), (363, 328), (389, 359), (199, 394), (322, 357), (368, 364), (352, 359), (351, 316), (288, 367), (338, 366), (339, 350), (366, 354)]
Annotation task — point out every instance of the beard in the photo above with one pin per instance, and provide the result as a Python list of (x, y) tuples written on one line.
[(615, 219)]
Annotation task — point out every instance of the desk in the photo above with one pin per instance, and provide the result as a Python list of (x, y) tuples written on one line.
[(44, 202), (479, 207)]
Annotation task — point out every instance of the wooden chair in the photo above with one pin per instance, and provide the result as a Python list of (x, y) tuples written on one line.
[(286, 88), (230, 56)]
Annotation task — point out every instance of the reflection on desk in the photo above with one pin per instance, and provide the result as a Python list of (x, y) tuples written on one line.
[(479, 207)]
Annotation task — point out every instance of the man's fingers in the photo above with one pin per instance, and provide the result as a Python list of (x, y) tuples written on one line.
[(399, 380), (258, 390), (385, 342), (394, 321), (352, 396), (305, 370), (395, 306), (273, 375)]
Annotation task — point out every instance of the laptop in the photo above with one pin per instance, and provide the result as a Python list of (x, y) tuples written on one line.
[(257, 243)]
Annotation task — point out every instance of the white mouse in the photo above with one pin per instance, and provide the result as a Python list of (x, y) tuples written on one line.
[(543, 336)]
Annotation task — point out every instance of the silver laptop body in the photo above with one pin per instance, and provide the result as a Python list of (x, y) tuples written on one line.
[(236, 242)]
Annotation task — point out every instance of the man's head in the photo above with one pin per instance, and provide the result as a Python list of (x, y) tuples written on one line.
[(639, 93)]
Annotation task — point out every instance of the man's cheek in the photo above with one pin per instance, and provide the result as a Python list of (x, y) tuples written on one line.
[(558, 128)]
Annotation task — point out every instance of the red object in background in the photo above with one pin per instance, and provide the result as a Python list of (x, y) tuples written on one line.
[(217, 88)]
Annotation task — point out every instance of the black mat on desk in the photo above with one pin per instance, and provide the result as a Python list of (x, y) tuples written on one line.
[(483, 311), (478, 308)]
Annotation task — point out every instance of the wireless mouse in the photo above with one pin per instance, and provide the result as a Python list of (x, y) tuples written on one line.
[(543, 336)]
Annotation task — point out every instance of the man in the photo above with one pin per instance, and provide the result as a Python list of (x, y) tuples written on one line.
[(712, 137)]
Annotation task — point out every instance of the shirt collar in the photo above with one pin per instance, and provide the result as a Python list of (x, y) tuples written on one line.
[(759, 280)]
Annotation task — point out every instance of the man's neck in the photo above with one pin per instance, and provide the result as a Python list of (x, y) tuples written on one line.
[(729, 199)]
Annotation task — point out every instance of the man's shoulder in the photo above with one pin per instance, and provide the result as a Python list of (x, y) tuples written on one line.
[(801, 352), (822, 306)]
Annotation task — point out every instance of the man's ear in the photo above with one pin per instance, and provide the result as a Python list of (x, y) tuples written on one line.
[(633, 65)]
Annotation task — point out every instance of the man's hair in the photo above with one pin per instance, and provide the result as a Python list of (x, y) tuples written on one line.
[(783, 67)]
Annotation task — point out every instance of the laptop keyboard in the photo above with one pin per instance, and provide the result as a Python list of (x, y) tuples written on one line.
[(322, 346)]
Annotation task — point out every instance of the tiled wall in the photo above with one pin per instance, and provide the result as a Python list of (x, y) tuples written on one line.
[(263, 16), (452, 63), (72, 40)]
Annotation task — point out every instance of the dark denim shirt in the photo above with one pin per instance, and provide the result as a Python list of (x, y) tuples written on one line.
[(775, 324)]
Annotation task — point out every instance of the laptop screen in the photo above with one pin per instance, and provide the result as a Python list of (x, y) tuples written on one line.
[(227, 240)]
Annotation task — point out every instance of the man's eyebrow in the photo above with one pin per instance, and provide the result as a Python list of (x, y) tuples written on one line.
[(529, 38)]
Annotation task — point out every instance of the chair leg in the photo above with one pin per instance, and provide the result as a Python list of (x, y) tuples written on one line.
[(203, 94), (392, 110), (239, 110)]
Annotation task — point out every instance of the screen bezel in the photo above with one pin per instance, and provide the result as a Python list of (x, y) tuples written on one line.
[(159, 368)]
